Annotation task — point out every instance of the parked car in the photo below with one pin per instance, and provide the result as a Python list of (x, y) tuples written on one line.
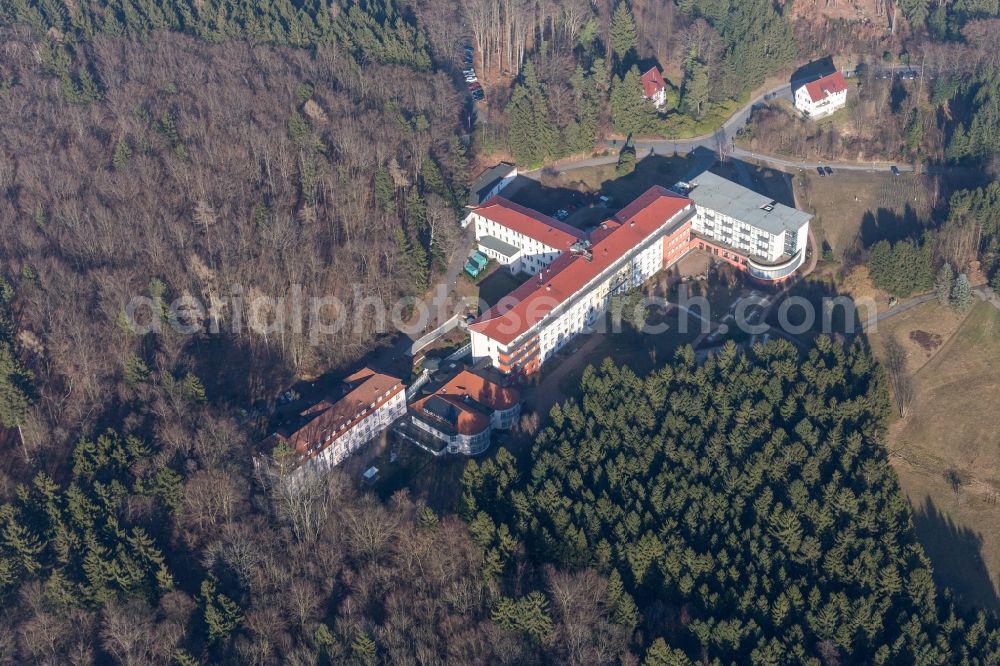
[(478, 95), (475, 85), (469, 72), (828, 170), (561, 214), (894, 169), (820, 171)]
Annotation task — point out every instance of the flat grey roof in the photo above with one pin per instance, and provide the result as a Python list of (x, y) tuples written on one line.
[(497, 245), (715, 192)]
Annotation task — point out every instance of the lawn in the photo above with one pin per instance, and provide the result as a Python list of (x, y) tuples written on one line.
[(947, 449), (922, 332), (869, 206)]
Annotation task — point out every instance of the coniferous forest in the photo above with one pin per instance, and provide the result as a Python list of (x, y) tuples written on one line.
[(743, 510)]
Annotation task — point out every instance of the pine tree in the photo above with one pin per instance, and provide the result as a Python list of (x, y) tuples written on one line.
[(626, 163), (17, 392), (624, 41), (961, 293), (123, 153), (630, 113), (915, 11), (194, 390), (298, 129), (364, 649), (385, 191), (531, 136), (136, 371), (416, 211), (221, 613), (661, 654), (943, 284), (694, 93)]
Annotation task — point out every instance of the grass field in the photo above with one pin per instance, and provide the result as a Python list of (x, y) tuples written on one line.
[(870, 206), (947, 449), (922, 332)]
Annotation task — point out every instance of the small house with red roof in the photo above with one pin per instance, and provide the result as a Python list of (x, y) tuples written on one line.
[(823, 96), (654, 87)]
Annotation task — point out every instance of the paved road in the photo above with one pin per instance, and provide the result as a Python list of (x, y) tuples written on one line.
[(724, 137), (903, 306), (984, 293)]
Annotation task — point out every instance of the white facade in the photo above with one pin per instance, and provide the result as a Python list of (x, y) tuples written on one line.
[(738, 234), (582, 310), (532, 256), (341, 444), (659, 98), (817, 108), (468, 445), (771, 237)]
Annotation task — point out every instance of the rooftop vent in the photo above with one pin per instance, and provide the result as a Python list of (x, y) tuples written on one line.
[(768, 206)]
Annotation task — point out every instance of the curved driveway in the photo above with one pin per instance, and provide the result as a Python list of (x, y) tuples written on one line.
[(725, 137)]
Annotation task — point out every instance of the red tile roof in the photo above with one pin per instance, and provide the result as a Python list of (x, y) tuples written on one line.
[(467, 419), (531, 223), (325, 417), (828, 85), (482, 390), (533, 300), (652, 82)]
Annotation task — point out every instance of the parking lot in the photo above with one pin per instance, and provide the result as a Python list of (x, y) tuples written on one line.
[(469, 72)]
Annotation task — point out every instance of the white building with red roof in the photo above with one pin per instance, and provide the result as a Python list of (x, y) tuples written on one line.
[(461, 414), (654, 87), (572, 291), (523, 239), (324, 434), (823, 96), (574, 275)]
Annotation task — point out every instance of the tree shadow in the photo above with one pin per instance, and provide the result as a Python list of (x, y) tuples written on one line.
[(769, 182), (812, 71), (888, 224), (543, 197), (897, 95), (956, 554)]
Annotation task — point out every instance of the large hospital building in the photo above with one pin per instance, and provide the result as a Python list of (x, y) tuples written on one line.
[(574, 274)]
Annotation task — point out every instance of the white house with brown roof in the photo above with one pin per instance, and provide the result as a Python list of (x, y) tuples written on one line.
[(823, 96), (568, 296), (570, 289), (326, 433)]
